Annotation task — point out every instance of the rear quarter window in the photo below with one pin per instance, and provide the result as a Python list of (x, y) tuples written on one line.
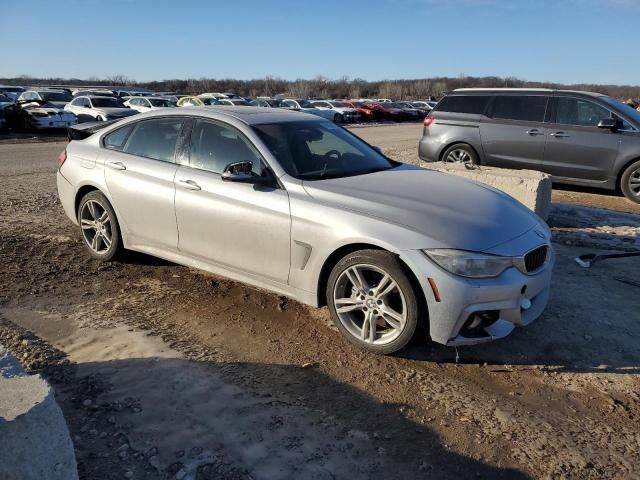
[(473, 104), (116, 139)]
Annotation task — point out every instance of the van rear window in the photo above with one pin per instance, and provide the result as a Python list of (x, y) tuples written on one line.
[(463, 104)]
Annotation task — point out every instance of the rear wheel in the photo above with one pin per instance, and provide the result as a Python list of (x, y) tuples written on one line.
[(337, 118), (99, 118), (630, 182), (99, 226), (372, 301), (460, 153)]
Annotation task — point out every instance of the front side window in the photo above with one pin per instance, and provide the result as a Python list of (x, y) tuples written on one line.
[(155, 139), (576, 111), (315, 150), (524, 108), (215, 145)]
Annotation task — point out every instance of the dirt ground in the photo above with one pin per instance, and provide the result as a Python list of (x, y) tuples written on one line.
[(166, 372)]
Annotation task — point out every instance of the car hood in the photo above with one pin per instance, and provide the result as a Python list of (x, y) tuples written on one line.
[(453, 212), (116, 111)]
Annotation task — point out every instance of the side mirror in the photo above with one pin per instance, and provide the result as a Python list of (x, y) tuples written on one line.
[(608, 123), (239, 172)]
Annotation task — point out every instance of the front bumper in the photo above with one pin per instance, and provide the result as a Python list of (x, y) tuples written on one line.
[(513, 299), (42, 123)]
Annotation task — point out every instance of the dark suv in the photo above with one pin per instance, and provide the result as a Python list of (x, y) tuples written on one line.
[(580, 138)]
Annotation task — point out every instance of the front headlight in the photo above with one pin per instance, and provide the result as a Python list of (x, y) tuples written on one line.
[(470, 264)]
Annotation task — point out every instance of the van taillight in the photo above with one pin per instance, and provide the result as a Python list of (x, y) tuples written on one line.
[(62, 158), (428, 121)]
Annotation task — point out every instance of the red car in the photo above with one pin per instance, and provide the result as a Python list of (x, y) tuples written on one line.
[(368, 111), (389, 113)]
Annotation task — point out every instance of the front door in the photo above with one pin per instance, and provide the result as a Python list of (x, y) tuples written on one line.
[(576, 147), (239, 226)]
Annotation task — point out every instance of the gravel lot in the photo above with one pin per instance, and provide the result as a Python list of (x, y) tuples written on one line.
[(166, 372)]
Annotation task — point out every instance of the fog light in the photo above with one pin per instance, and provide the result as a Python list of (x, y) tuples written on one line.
[(477, 322)]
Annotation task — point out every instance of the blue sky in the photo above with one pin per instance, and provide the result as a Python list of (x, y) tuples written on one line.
[(569, 41)]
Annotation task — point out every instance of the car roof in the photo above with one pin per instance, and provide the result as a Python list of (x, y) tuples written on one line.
[(98, 96), (524, 90), (247, 115)]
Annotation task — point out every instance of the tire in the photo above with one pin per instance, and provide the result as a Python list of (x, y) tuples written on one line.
[(93, 206), (460, 153), (99, 119), (630, 182), (368, 268), (337, 118)]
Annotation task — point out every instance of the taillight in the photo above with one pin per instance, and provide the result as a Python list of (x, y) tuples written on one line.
[(62, 157), (428, 121)]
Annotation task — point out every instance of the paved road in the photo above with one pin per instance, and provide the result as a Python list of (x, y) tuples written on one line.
[(22, 158)]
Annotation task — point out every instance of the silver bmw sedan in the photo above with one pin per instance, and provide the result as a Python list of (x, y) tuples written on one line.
[(297, 205)]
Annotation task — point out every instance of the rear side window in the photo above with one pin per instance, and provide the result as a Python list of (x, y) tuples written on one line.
[(463, 104), (155, 139), (116, 139), (525, 108)]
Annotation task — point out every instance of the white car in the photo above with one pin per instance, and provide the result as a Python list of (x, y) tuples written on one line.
[(305, 106), (424, 104), (94, 108), (342, 113), (42, 108), (146, 104)]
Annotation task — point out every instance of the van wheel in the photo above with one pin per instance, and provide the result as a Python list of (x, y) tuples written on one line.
[(460, 153), (373, 302), (630, 182)]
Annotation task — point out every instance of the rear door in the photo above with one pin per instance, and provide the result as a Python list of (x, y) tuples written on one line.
[(140, 167), (513, 132), (576, 147)]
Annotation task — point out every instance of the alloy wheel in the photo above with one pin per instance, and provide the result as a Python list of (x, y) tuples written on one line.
[(458, 156), (634, 182), (370, 304), (96, 227)]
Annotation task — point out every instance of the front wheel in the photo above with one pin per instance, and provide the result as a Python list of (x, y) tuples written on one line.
[(337, 118), (630, 182), (99, 226), (373, 302)]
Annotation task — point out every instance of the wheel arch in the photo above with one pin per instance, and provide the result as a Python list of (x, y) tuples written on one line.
[(344, 250), (455, 142), (621, 171)]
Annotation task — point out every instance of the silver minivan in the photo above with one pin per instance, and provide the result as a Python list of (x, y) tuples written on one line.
[(579, 138)]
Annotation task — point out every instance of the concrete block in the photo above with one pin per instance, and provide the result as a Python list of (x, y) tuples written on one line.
[(529, 187), (34, 438)]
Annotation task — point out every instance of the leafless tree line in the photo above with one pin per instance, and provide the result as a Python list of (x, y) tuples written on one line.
[(343, 87)]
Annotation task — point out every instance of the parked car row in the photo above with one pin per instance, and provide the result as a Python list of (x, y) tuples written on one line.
[(50, 108)]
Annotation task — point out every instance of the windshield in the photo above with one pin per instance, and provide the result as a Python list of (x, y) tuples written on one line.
[(162, 102), (305, 104), (4, 98), (106, 102), (56, 96), (239, 102), (625, 109), (12, 89), (340, 105), (317, 150), (274, 103)]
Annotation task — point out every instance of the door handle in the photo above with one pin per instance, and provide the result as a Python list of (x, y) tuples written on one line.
[(534, 132), (189, 184), (116, 165), (560, 135)]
